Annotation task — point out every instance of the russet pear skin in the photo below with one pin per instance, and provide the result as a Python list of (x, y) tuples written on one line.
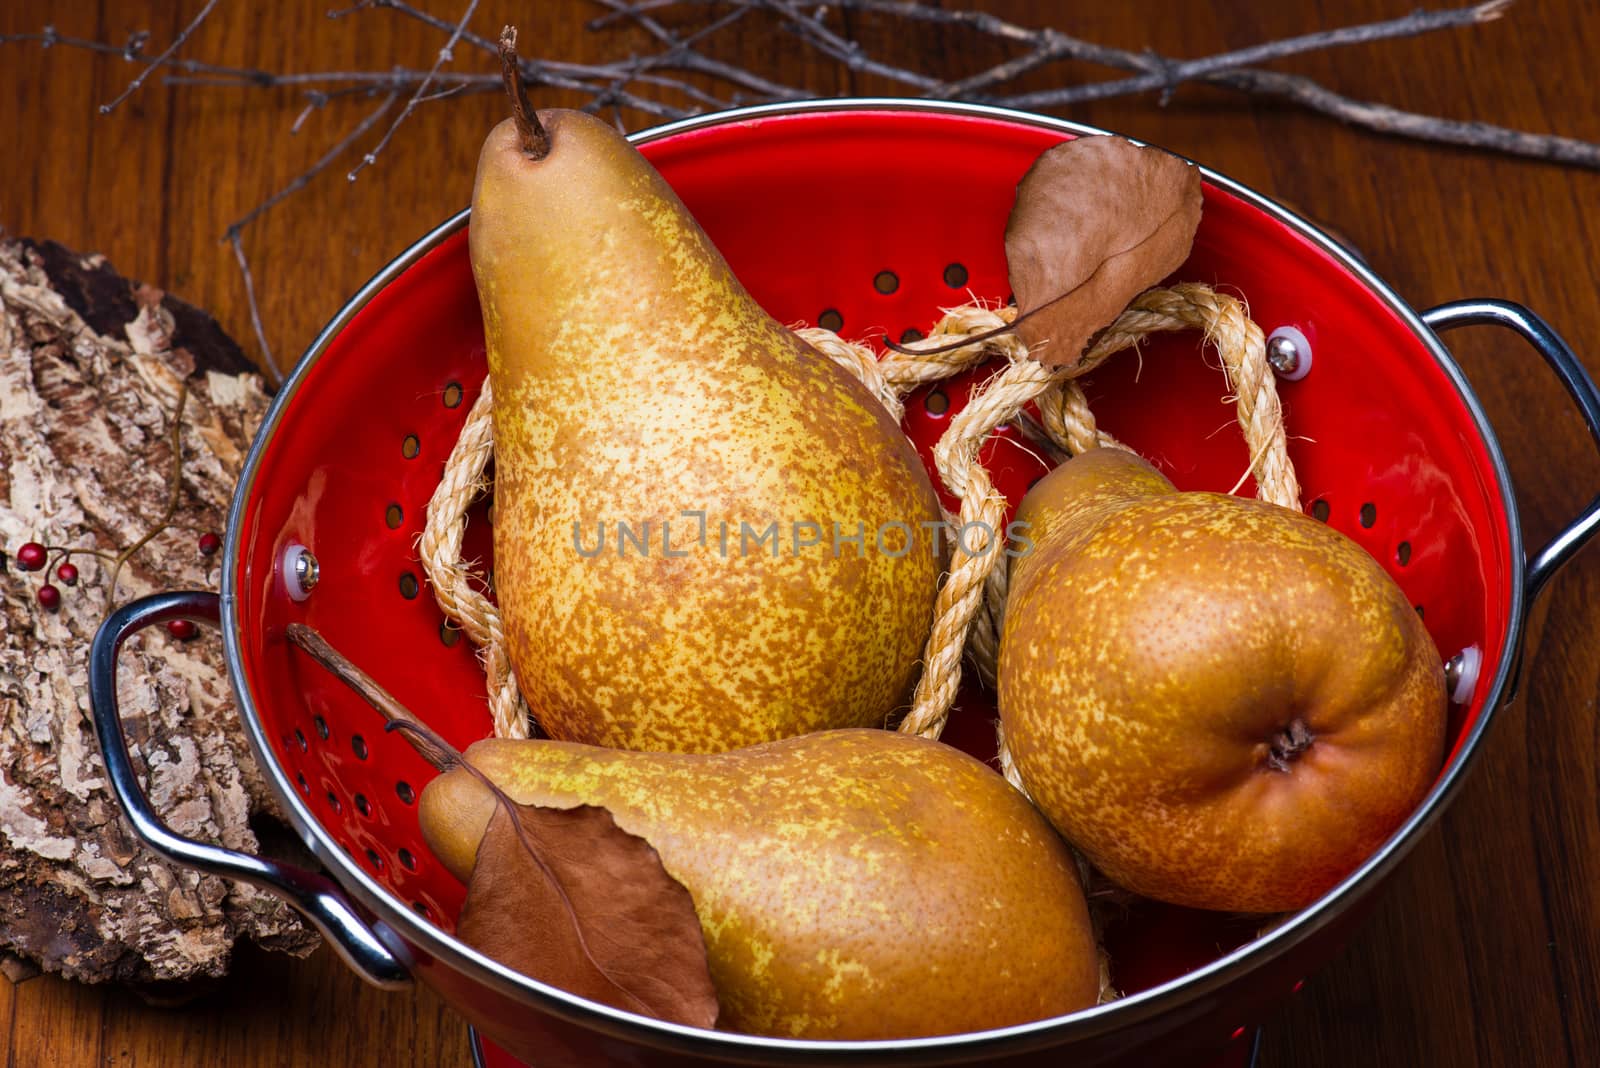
[(1158, 644), (851, 884), (635, 380)]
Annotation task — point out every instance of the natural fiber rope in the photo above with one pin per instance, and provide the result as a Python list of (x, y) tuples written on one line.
[(971, 598), (1066, 418), (463, 482)]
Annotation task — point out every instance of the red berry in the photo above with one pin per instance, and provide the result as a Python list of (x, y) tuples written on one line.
[(209, 544), (182, 629), (31, 557), (49, 597), (68, 573)]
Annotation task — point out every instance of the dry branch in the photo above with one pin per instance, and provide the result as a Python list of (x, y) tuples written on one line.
[(681, 77)]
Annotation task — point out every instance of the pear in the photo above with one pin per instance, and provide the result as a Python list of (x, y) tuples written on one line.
[(1223, 703), (707, 535), (851, 884)]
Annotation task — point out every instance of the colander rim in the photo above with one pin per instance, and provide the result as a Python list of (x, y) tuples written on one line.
[(397, 923)]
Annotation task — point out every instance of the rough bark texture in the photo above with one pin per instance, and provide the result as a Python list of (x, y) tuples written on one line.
[(90, 369)]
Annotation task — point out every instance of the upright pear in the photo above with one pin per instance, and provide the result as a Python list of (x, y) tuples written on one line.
[(707, 535), (1224, 703), (851, 884)]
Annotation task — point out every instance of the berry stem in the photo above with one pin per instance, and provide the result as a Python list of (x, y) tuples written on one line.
[(173, 490)]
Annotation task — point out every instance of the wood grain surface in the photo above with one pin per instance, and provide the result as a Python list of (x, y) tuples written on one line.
[(1485, 949)]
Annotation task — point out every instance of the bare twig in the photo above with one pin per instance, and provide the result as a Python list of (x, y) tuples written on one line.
[(1230, 70), (446, 54), (299, 181), (131, 52), (268, 360), (1384, 119), (678, 77), (177, 42), (1167, 75)]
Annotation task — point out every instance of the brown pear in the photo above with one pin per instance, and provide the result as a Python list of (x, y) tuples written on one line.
[(852, 884), (707, 535), (1223, 703)]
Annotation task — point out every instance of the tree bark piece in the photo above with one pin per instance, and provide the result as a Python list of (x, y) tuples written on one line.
[(90, 370)]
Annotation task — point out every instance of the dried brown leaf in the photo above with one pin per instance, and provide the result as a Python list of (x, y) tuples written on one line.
[(1097, 221), (567, 897)]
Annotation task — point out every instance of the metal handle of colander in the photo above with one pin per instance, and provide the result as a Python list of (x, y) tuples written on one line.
[(1559, 355), (317, 897)]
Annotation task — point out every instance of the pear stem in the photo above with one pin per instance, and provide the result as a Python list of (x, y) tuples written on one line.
[(427, 742), (535, 141)]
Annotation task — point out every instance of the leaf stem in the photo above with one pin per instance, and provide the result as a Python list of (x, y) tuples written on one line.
[(427, 742)]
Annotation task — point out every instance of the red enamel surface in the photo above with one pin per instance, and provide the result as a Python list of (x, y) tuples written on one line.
[(808, 209)]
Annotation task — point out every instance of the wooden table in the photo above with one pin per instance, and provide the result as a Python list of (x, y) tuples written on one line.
[(1485, 949)]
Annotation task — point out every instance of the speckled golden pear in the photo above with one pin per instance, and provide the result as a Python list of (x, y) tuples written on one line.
[(851, 884), (1225, 704), (638, 385)]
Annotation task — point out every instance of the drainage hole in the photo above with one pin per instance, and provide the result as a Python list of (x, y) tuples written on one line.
[(1369, 514), (955, 276), (830, 319)]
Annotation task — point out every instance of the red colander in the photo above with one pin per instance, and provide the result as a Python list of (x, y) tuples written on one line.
[(868, 216)]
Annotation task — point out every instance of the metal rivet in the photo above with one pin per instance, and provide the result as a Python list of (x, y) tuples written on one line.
[(1289, 353), (1461, 674), (301, 572)]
